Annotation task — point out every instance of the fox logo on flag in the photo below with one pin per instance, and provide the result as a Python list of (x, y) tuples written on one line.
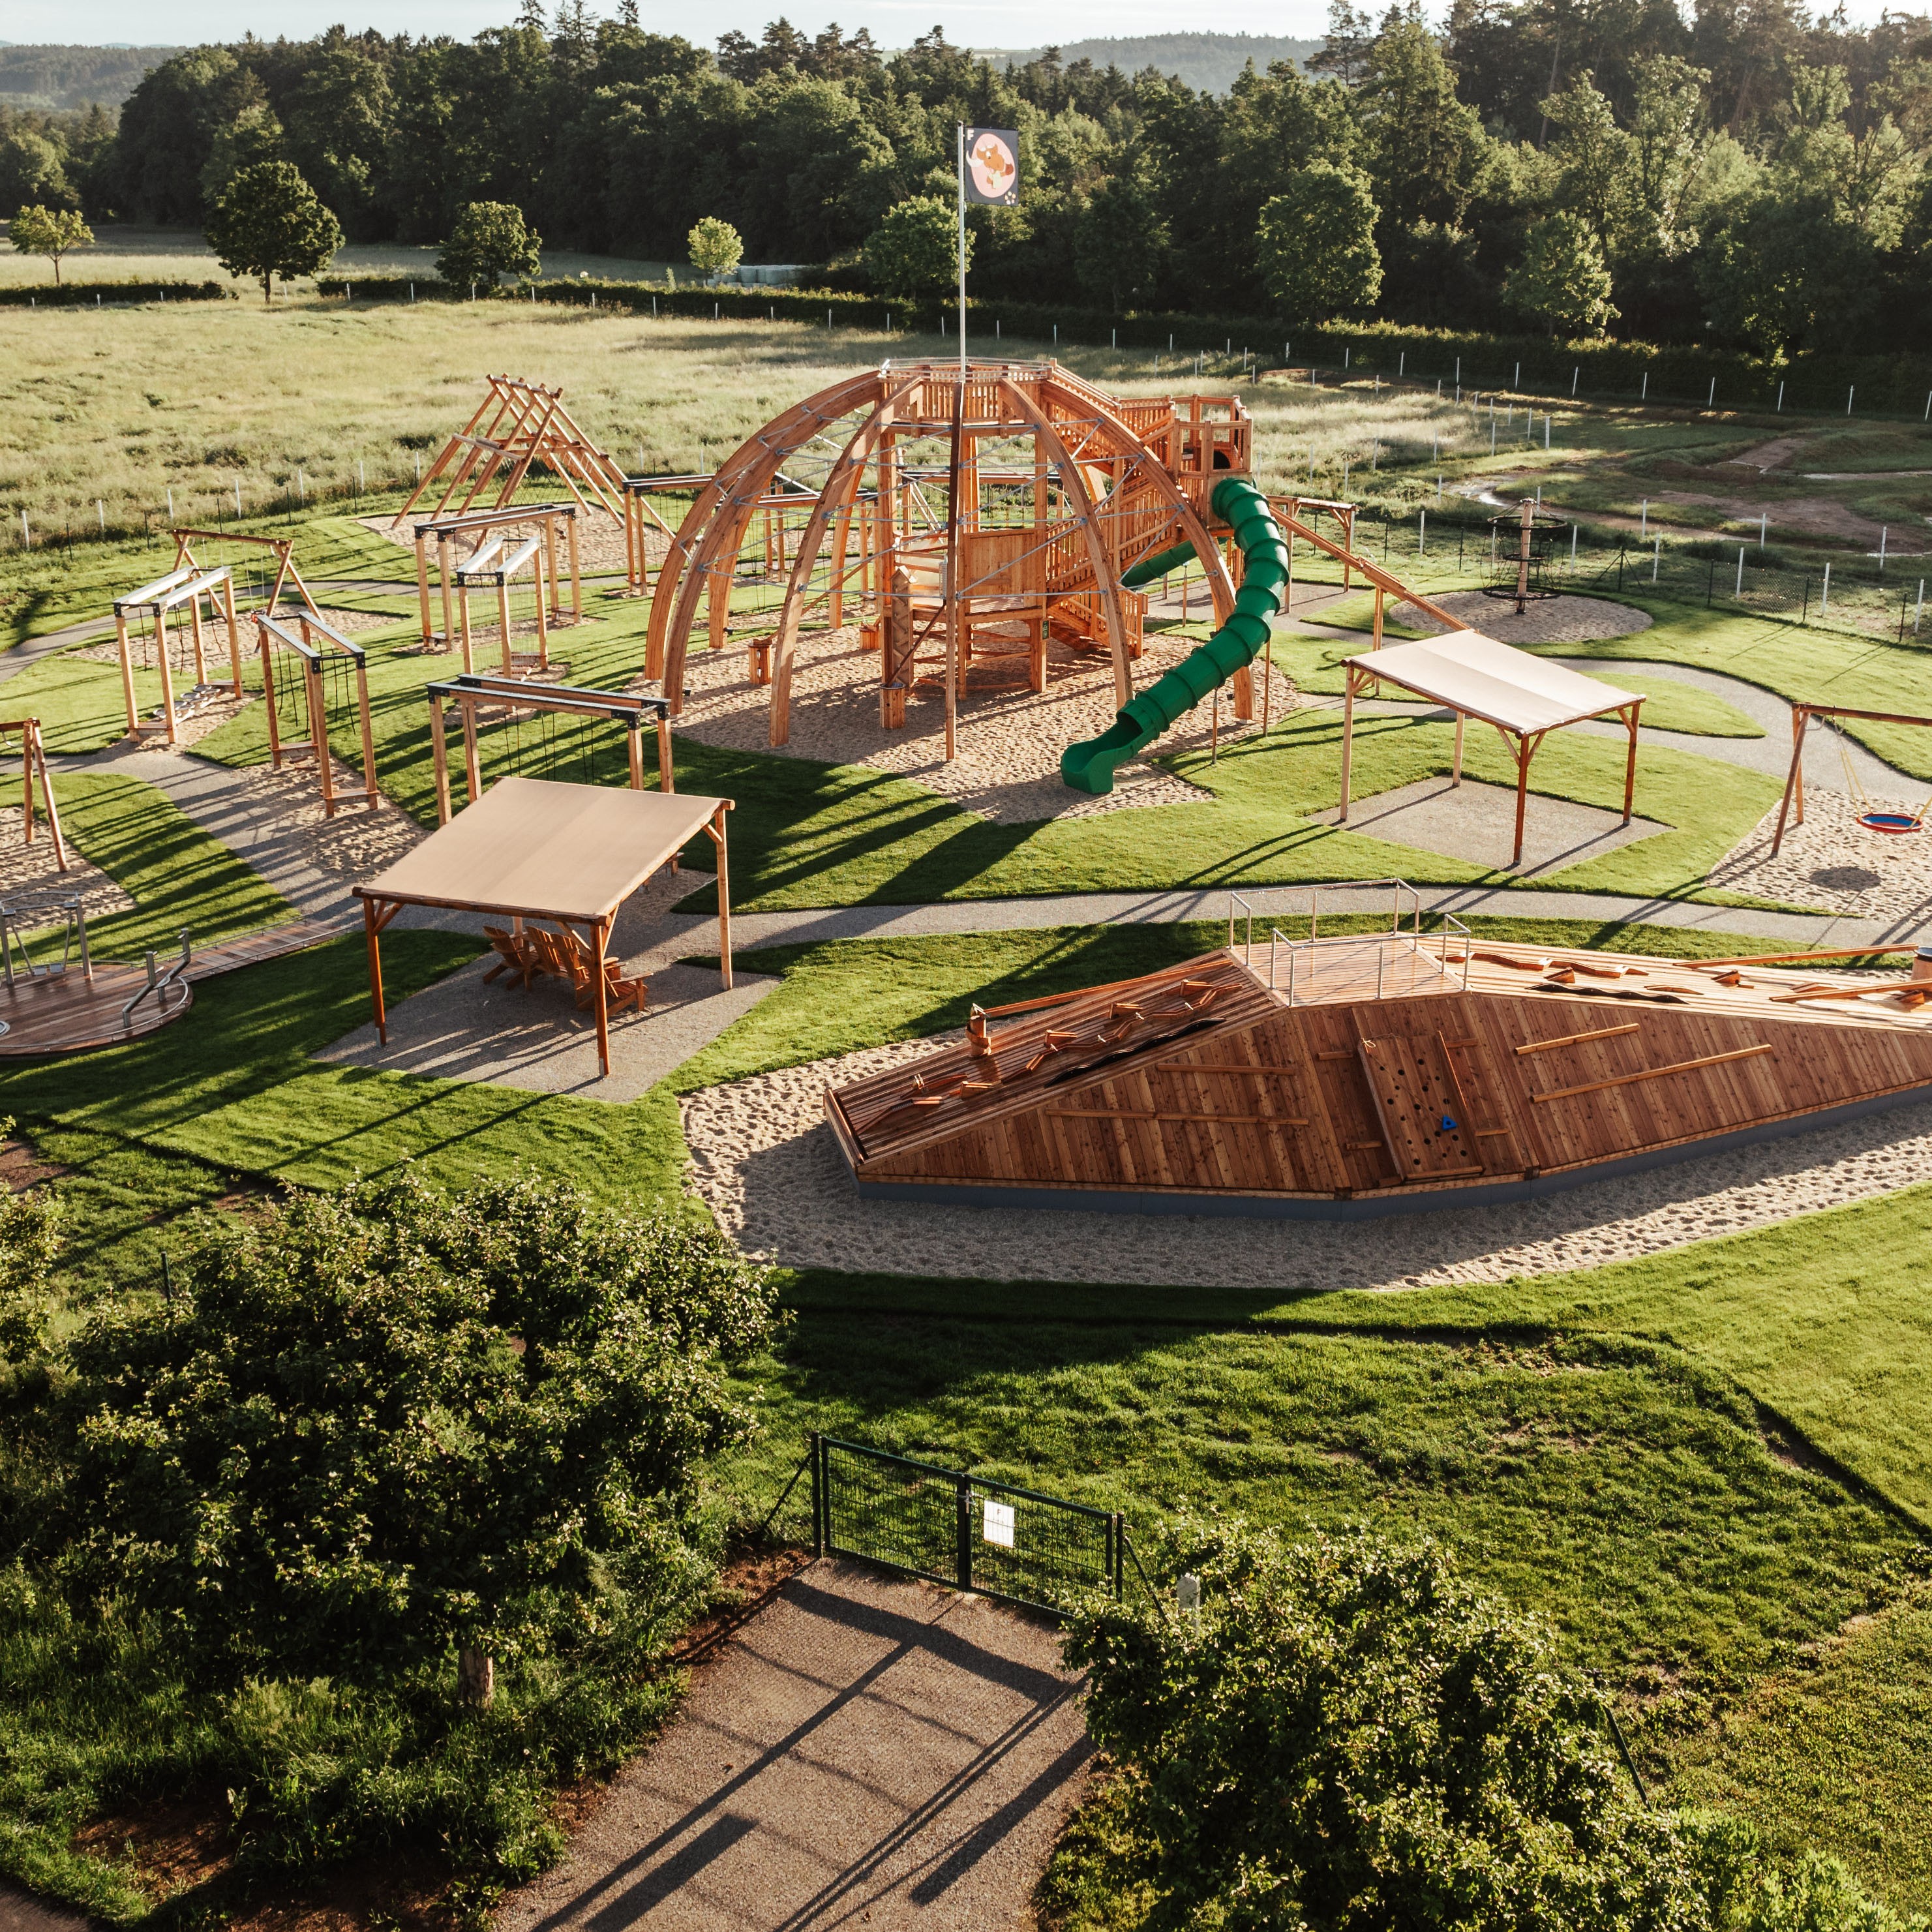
[(993, 166)]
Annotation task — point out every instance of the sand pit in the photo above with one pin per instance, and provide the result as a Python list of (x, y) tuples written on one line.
[(765, 1162), (29, 872), (356, 844), (1548, 620), (1833, 862), (1010, 740)]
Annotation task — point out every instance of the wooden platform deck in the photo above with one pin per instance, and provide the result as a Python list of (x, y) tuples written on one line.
[(1379, 1066), (68, 1013)]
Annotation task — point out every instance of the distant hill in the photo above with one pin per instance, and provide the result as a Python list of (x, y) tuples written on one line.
[(1209, 61), (47, 77)]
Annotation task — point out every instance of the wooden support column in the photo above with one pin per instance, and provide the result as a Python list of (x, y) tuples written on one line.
[(716, 829), (422, 581), (1347, 736), (634, 752), (1456, 775), (895, 659), (667, 771), (600, 994), (503, 619), (1630, 763), (543, 621), (234, 635), (371, 929), (439, 751), (1794, 779), (167, 672), (1526, 746), (127, 670), (576, 577), (463, 611), (472, 771), (443, 562)]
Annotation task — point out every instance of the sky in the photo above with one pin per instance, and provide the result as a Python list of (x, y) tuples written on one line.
[(892, 22)]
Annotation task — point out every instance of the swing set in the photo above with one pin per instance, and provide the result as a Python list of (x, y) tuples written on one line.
[(251, 567), (526, 717), (309, 674), (1893, 823), (33, 765)]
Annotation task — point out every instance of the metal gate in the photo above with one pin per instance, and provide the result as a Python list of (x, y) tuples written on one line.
[(959, 1529)]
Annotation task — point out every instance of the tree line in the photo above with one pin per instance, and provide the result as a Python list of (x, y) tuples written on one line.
[(1741, 174)]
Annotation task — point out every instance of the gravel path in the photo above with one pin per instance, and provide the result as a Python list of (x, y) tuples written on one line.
[(765, 1162), (865, 1751)]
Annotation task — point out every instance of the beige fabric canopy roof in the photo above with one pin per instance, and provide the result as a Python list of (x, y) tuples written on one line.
[(1503, 686), (1522, 696), (531, 848)]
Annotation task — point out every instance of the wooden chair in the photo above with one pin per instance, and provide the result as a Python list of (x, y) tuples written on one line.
[(514, 954), (567, 956)]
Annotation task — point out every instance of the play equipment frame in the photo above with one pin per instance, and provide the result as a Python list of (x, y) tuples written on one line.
[(517, 423), (187, 583), (479, 523), (470, 690), (272, 633), (33, 763), (282, 547), (1801, 715)]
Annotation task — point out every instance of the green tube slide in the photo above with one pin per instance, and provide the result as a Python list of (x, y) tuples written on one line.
[(1089, 765)]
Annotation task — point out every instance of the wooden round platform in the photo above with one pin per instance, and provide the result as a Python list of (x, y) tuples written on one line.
[(67, 1012)]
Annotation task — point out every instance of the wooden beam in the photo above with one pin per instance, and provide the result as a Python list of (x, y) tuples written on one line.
[(1575, 1038), (1653, 1073)]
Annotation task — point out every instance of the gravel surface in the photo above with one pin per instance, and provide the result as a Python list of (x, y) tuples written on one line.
[(1833, 862), (765, 1162), (25, 868), (865, 1751), (1549, 620), (1010, 740)]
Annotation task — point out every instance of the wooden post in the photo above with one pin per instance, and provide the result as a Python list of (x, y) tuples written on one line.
[(1462, 719), (318, 736), (422, 580), (126, 671), (439, 751), (576, 578), (473, 770), (1630, 763), (718, 599), (503, 619), (1794, 778), (1378, 643), (371, 929), (1524, 750), (27, 784), (39, 751), (896, 660), (667, 771), (462, 609), (543, 625), (600, 994), (1801, 721), (716, 829), (442, 568), (234, 635), (1347, 736), (167, 674), (634, 751), (550, 558), (369, 793)]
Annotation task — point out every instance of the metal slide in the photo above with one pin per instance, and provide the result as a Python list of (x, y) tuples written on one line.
[(1089, 765)]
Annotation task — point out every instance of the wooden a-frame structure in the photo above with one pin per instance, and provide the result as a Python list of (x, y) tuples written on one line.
[(518, 424)]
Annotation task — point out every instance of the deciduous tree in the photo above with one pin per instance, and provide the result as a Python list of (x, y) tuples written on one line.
[(915, 250), (716, 247), (1562, 280), (51, 232), (489, 240), (268, 222), (1316, 247)]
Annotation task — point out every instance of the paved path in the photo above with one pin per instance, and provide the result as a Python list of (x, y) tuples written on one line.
[(865, 1750), (21, 1912)]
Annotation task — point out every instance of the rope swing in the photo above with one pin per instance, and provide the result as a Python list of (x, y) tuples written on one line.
[(1874, 817)]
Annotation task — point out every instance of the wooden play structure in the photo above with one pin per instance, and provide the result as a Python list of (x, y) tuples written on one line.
[(1519, 576), (33, 770), (1873, 818), (519, 426), (562, 855), (1524, 697), (260, 589), (482, 700), (967, 515), (185, 589), (486, 530), (1351, 1076), (310, 673)]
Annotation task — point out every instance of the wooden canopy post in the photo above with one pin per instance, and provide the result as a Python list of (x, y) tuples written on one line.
[(600, 993), (716, 828), (438, 748), (422, 581), (1630, 717), (1347, 736), (1456, 771), (1526, 744)]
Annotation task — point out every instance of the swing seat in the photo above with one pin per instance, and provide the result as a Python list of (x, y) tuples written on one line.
[(1894, 824)]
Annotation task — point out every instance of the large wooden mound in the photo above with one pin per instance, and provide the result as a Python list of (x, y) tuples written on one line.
[(1373, 1075)]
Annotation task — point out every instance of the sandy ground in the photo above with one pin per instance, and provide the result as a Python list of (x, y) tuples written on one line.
[(767, 1165), (600, 541), (1010, 740), (866, 1751), (1832, 861), (1548, 620), (1477, 822), (31, 871), (356, 844)]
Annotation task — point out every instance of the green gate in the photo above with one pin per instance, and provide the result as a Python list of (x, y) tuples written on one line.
[(959, 1529)]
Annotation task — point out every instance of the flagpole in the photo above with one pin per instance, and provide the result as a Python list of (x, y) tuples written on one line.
[(962, 251)]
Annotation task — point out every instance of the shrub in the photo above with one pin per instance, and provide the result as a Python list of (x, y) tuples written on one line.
[(716, 247), (489, 240), (1351, 1739)]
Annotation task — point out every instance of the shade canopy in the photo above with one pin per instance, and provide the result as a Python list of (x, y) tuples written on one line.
[(539, 850), (1467, 672)]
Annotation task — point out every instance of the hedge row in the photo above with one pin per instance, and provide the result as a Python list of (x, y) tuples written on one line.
[(95, 295)]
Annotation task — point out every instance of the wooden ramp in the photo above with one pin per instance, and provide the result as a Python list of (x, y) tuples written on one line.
[(73, 1012), (1378, 1075)]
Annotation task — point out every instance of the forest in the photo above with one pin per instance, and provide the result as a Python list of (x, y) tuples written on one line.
[(1743, 174)]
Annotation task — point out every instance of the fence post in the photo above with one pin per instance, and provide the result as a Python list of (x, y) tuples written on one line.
[(1117, 1532), (817, 1494), (963, 1494)]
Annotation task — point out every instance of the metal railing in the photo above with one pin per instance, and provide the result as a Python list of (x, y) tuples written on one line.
[(964, 1531), (1315, 948), (161, 984), (30, 911)]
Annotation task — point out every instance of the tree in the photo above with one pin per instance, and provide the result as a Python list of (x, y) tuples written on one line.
[(1425, 152), (1119, 241), (1785, 274), (31, 172), (716, 247), (915, 250), (380, 1427), (268, 222), (1351, 1738), (51, 231), (1316, 246), (489, 240), (1562, 279)]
